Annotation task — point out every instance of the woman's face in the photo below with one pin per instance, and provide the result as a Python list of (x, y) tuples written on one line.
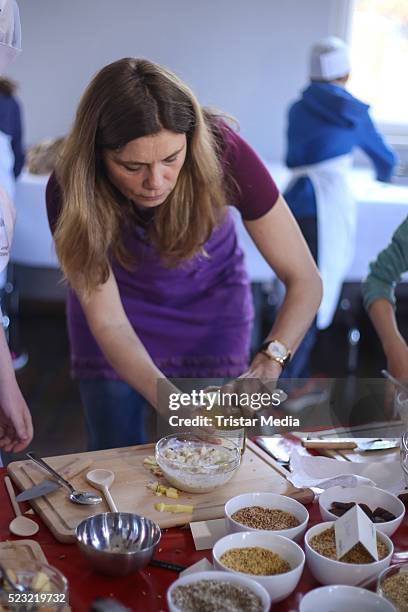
[(146, 169)]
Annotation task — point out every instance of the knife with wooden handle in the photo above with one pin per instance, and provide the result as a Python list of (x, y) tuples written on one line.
[(74, 467), (329, 444)]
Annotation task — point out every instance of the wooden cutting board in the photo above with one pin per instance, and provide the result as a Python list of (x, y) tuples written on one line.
[(258, 472), (21, 550)]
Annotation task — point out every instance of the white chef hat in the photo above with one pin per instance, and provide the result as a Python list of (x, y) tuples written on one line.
[(10, 32), (329, 59)]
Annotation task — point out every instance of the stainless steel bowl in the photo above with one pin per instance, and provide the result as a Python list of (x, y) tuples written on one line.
[(118, 543)]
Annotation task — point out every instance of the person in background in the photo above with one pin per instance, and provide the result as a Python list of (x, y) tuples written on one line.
[(11, 124), (138, 208), (324, 126), (16, 429), (11, 144), (380, 303)]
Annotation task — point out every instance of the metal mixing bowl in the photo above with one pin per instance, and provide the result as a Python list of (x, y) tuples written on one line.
[(118, 543)]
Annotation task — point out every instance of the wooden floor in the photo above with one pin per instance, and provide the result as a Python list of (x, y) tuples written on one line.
[(54, 399)]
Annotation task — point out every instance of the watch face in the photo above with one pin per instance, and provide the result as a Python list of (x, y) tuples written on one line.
[(276, 349)]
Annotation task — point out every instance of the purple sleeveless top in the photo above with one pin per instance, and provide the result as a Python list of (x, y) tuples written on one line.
[(194, 320)]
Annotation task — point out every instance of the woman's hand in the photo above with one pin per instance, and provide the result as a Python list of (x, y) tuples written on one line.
[(266, 370), (261, 377)]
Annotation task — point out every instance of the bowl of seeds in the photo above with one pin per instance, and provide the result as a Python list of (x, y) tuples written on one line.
[(275, 562), (383, 508), (268, 512), (217, 591), (357, 565), (393, 585)]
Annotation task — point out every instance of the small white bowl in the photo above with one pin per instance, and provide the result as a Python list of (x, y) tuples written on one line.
[(331, 571), (338, 598), (279, 586), (267, 500), (372, 496), (224, 577)]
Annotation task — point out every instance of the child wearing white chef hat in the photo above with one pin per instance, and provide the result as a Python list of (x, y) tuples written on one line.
[(16, 429), (329, 60), (324, 126)]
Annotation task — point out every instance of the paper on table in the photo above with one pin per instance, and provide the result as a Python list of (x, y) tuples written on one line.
[(201, 566), (324, 473)]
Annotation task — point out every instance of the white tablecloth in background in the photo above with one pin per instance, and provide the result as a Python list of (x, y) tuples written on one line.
[(32, 241), (381, 208)]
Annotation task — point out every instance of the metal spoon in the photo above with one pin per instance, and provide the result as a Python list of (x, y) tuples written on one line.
[(78, 497)]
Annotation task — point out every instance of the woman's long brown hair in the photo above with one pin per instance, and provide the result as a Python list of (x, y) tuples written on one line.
[(129, 99)]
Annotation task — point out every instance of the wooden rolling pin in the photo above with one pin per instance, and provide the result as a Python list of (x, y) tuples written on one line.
[(329, 444)]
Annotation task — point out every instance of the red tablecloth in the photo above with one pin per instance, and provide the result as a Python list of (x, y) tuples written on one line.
[(145, 590)]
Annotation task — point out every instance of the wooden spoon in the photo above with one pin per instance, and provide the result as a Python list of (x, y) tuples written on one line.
[(102, 480), (21, 525)]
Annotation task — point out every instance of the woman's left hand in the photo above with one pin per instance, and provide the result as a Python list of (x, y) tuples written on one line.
[(264, 370), (261, 377)]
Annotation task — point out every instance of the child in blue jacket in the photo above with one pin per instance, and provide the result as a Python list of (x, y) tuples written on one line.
[(324, 126)]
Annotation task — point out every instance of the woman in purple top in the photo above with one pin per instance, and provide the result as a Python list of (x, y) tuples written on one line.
[(139, 210)]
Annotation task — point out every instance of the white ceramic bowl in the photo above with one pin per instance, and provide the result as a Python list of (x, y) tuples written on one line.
[(331, 571), (224, 577), (372, 496), (267, 500), (393, 570), (338, 598), (278, 586)]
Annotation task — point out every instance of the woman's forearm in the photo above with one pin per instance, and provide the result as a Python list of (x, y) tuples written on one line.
[(127, 355), (302, 300)]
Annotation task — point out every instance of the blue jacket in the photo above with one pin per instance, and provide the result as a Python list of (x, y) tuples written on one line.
[(325, 123), (10, 124)]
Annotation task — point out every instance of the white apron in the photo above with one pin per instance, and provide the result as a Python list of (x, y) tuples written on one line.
[(7, 218), (336, 228)]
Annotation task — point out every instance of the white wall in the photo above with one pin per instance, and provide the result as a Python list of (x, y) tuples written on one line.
[(247, 57)]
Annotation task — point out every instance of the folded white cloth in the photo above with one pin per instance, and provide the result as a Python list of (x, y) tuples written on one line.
[(322, 472)]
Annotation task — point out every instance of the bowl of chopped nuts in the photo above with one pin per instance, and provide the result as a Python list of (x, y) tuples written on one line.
[(392, 584), (357, 565), (383, 508), (275, 562), (197, 463), (268, 512), (201, 590)]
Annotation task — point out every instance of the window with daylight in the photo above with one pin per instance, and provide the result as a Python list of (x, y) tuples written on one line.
[(379, 59)]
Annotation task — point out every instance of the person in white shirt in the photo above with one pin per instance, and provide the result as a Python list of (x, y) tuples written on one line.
[(16, 428)]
